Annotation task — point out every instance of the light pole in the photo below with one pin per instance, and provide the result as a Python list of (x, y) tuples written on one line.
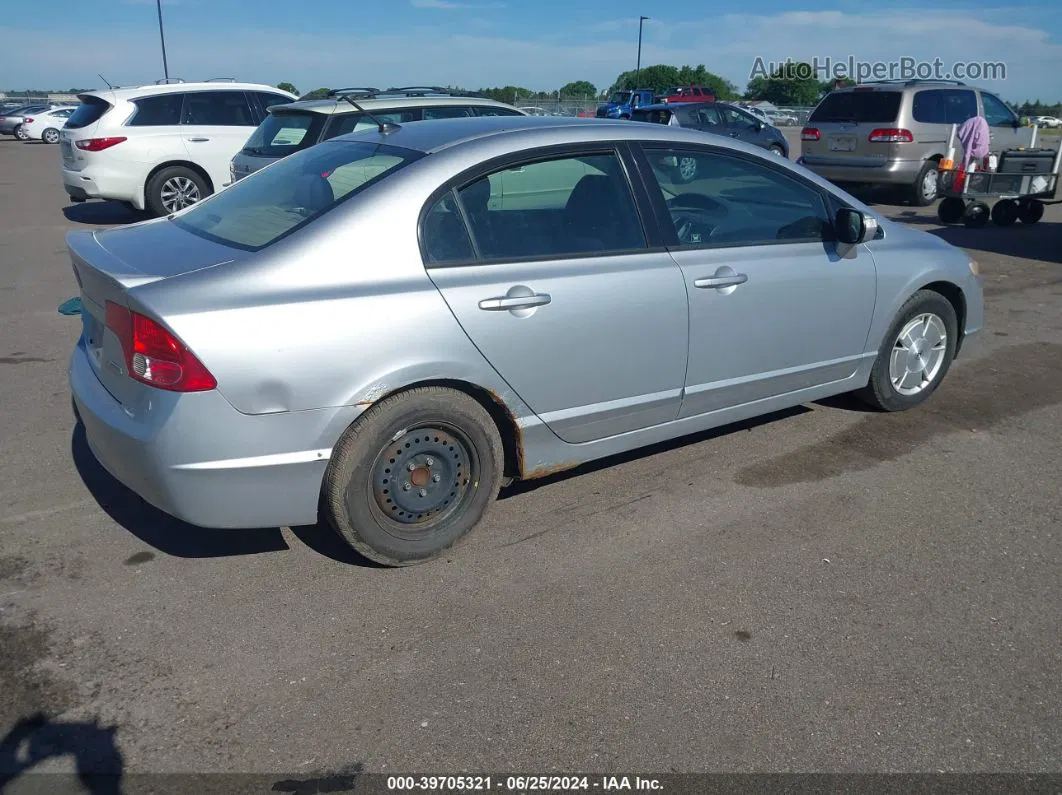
[(638, 69), (162, 36)]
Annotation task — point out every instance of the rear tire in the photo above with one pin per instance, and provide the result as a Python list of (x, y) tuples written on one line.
[(20, 133), (686, 170), (926, 186), (912, 341), (50, 136), (414, 475), (173, 188), (1031, 211), (776, 149)]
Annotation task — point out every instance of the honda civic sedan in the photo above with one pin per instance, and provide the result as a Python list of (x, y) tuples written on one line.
[(381, 330)]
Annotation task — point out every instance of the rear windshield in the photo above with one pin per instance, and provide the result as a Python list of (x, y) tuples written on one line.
[(657, 116), (276, 201), (284, 133), (872, 107), (90, 111)]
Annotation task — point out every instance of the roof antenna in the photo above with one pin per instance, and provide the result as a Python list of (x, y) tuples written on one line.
[(104, 79), (384, 126)]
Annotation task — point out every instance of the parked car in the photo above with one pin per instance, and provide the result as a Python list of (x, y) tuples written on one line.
[(719, 118), (895, 132), (292, 127), (782, 118), (160, 147), (11, 123), (622, 103), (424, 311), (687, 94), (45, 126), (1047, 121)]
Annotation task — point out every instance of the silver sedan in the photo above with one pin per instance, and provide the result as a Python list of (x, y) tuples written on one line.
[(381, 330)]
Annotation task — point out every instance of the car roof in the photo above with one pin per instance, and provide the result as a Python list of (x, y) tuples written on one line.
[(529, 131), (903, 85), (382, 102), (151, 89), (686, 105)]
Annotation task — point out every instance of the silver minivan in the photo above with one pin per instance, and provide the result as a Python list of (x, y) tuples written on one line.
[(896, 132), (292, 127)]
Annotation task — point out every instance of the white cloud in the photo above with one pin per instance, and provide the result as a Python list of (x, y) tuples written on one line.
[(474, 58)]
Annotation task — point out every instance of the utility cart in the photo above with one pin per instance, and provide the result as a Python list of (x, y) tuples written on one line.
[(1024, 181)]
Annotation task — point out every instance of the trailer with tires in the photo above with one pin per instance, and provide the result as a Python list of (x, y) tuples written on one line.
[(1023, 183)]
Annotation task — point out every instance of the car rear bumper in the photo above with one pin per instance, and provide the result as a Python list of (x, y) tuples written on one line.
[(892, 172), (92, 183), (195, 457)]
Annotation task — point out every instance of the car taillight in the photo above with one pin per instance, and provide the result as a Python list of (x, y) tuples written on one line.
[(27, 120), (97, 144), (154, 356), (890, 135), (810, 134)]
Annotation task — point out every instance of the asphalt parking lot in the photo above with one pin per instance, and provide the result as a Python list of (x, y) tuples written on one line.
[(826, 590)]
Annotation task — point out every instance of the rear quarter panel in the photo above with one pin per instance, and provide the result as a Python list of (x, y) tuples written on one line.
[(343, 315)]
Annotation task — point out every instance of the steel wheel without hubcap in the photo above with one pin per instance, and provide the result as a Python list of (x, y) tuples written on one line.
[(918, 354), (421, 478), (178, 193)]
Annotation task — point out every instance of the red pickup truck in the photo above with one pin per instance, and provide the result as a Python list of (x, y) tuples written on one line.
[(688, 94)]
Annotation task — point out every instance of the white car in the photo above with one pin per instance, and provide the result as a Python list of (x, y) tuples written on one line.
[(45, 126), (160, 147), (759, 114), (1047, 121)]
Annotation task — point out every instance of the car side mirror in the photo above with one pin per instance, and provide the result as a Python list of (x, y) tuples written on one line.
[(854, 227)]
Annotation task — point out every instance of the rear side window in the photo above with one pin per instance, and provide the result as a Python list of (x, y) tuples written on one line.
[(267, 100), (158, 111), (654, 116), (218, 109), (90, 111), (943, 106), (272, 203), (356, 122), (282, 134), (870, 107)]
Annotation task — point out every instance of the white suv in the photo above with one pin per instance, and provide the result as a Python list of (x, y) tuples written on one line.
[(161, 147)]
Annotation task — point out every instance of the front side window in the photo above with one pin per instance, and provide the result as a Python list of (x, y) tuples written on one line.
[(447, 112), (494, 110), (996, 113), (735, 118), (562, 207), (158, 111), (274, 202), (720, 200), (218, 109)]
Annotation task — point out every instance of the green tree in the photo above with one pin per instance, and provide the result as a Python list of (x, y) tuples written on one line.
[(699, 76), (792, 83), (578, 88), (662, 77), (288, 87), (317, 93), (508, 94)]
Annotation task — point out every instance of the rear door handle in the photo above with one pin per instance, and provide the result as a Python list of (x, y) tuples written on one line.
[(198, 140), (506, 303), (721, 281)]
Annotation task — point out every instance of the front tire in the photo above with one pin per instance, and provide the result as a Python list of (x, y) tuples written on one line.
[(173, 189), (776, 149), (414, 475), (916, 354)]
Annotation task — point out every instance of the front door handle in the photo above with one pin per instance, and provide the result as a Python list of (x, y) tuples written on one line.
[(505, 303), (721, 281), (198, 140)]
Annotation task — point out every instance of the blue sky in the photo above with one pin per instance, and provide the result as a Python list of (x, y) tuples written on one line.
[(540, 44)]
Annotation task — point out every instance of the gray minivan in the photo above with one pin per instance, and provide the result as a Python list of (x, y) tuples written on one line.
[(895, 132), (294, 126)]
